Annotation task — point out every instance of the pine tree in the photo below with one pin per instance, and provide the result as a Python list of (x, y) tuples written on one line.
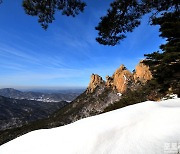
[(45, 9), (125, 15), (166, 65)]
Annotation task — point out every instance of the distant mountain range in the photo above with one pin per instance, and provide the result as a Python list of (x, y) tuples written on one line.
[(15, 113), (39, 96), (50, 91)]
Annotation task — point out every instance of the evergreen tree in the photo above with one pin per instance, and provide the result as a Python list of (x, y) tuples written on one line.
[(45, 9), (125, 15), (165, 66)]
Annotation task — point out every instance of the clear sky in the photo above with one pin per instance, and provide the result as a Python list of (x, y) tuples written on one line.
[(66, 54)]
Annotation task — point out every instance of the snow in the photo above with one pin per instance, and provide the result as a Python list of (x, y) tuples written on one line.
[(144, 128), (125, 78), (119, 94), (170, 96)]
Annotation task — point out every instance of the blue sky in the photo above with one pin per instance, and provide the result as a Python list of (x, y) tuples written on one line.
[(66, 54)]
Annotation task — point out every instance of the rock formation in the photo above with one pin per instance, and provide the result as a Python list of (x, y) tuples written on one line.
[(122, 79), (95, 81), (142, 73)]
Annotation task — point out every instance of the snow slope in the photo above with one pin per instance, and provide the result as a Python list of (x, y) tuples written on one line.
[(143, 128)]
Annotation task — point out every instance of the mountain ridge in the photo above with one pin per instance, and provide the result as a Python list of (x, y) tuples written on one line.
[(38, 96), (122, 79), (15, 113)]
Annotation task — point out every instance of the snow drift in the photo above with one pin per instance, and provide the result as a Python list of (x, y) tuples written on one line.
[(144, 128)]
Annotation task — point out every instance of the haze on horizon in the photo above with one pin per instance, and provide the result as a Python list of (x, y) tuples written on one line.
[(44, 88), (66, 54)]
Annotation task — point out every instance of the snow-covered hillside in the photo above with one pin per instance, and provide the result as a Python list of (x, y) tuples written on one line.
[(144, 128)]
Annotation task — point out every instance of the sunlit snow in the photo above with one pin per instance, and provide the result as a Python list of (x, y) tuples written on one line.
[(144, 128)]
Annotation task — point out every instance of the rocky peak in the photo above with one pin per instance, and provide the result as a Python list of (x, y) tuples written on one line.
[(122, 78), (95, 81), (120, 69), (142, 73)]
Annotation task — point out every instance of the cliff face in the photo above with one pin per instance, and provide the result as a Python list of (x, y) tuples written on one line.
[(122, 79)]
